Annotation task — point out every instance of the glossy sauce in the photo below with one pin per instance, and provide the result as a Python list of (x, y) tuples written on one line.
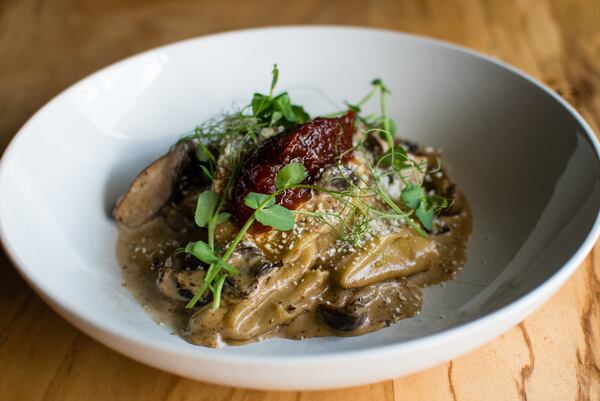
[(303, 283)]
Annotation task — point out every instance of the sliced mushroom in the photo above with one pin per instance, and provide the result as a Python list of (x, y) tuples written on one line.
[(153, 187), (370, 307), (254, 268), (181, 261), (342, 319), (181, 285)]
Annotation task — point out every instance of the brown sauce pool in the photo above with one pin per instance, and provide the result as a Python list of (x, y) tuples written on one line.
[(306, 295)]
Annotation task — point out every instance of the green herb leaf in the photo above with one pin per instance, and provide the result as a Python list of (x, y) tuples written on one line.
[(425, 215), (277, 110), (284, 105), (301, 115), (207, 203), (223, 217), (253, 200), (260, 104), (277, 217), (200, 250), (411, 196), (275, 117), (290, 174)]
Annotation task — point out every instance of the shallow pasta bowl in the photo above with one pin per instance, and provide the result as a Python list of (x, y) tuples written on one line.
[(526, 161)]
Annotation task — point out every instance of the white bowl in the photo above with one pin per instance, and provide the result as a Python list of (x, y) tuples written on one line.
[(526, 160)]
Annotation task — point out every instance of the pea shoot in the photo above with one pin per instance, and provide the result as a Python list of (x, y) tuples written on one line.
[(265, 211)]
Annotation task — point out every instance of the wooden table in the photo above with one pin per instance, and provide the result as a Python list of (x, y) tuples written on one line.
[(47, 45)]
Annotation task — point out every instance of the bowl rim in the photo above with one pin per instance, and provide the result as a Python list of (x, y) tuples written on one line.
[(507, 313)]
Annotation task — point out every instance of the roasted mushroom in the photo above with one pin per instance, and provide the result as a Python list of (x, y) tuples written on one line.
[(154, 187), (253, 266), (349, 310), (180, 285), (342, 319)]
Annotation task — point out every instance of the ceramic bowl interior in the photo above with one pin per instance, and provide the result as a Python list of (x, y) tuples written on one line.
[(527, 163)]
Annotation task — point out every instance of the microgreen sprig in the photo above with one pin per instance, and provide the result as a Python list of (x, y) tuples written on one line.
[(265, 211), (277, 109)]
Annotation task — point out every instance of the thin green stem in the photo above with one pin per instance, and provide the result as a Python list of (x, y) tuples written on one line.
[(212, 223), (386, 121), (217, 291), (205, 284), (367, 97), (238, 237)]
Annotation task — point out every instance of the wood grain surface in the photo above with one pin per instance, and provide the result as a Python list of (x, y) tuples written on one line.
[(47, 45)]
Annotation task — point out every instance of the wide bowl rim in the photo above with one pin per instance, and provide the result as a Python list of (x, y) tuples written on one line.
[(507, 313)]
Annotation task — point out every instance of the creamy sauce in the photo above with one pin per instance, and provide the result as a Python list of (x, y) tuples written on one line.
[(296, 298), (139, 253)]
